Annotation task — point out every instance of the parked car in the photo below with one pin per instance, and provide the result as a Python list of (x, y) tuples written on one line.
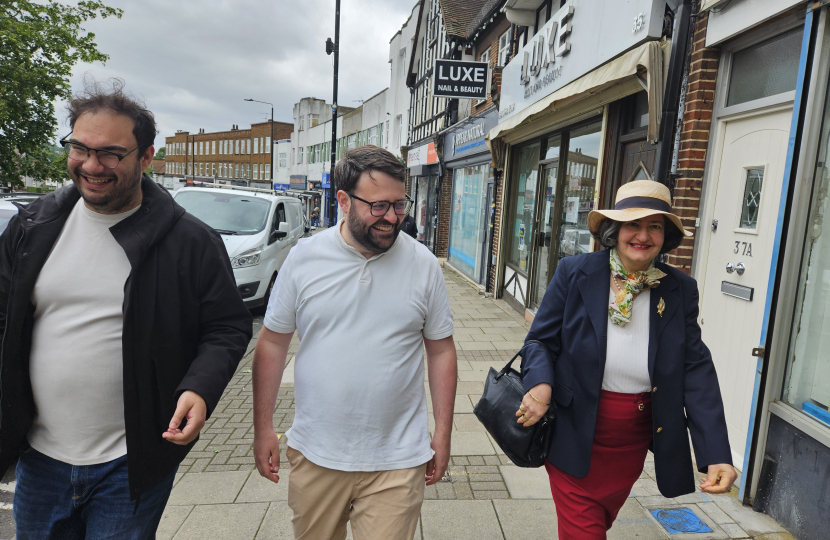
[(258, 228), (8, 208)]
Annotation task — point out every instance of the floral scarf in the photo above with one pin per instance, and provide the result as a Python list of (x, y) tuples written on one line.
[(620, 309)]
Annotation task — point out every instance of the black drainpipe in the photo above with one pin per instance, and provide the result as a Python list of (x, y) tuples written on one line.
[(674, 82)]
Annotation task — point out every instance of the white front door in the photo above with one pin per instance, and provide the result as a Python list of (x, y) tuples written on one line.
[(746, 191)]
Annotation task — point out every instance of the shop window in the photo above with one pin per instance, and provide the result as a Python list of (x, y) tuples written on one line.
[(524, 197), (807, 384), (765, 69), (468, 221), (752, 198)]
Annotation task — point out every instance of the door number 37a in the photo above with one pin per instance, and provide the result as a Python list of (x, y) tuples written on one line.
[(743, 248)]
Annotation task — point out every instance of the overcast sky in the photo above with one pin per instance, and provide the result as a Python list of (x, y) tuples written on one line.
[(193, 62)]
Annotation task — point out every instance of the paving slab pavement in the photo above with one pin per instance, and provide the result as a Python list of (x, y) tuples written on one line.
[(220, 495)]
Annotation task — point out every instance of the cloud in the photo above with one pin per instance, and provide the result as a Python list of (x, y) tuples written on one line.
[(193, 62)]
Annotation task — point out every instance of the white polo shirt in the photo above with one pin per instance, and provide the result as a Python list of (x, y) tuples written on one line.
[(359, 370)]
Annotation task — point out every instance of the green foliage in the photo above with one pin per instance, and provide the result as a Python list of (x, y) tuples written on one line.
[(39, 45), (160, 154)]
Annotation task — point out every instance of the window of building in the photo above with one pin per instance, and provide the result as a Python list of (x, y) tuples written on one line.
[(268, 145), (213, 169), (256, 145), (283, 159), (504, 49), (268, 172), (256, 170), (312, 120), (765, 69), (485, 55), (213, 147), (300, 155), (807, 383), (236, 171), (248, 171), (373, 136), (300, 123)]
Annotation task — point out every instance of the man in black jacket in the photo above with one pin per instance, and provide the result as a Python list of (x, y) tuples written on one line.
[(121, 327)]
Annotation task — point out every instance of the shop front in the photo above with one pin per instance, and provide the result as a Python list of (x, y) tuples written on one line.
[(424, 176), (783, 289), (468, 157), (577, 121)]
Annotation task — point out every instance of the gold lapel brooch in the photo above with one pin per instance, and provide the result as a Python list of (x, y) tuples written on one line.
[(661, 305)]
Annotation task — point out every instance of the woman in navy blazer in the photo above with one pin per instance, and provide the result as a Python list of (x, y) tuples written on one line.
[(656, 382)]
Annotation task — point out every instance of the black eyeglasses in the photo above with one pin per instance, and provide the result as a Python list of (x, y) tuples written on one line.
[(379, 208), (79, 152)]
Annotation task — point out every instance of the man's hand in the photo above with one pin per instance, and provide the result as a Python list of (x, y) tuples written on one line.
[(190, 406), (437, 466), (267, 455), (720, 478)]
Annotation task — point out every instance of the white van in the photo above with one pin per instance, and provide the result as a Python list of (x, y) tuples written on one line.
[(258, 227)]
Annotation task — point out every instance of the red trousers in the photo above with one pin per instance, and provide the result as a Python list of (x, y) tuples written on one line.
[(587, 507)]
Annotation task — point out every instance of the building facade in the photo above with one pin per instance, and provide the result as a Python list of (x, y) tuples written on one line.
[(577, 118), (237, 156), (751, 179)]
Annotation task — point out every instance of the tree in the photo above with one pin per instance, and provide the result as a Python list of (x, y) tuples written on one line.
[(160, 154), (39, 45)]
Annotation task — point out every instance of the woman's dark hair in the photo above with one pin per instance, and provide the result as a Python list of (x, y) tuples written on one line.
[(609, 230), (366, 158), (112, 97)]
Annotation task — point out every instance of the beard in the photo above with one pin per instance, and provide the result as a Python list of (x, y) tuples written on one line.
[(364, 234), (121, 196)]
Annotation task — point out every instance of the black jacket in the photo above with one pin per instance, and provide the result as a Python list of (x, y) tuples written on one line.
[(185, 325), (573, 321)]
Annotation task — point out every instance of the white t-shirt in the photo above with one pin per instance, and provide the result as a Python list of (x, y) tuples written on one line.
[(626, 350), (359, 374), (76, 363)]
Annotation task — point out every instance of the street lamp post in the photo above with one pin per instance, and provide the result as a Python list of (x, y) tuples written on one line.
[(271, 146), (334, 47)]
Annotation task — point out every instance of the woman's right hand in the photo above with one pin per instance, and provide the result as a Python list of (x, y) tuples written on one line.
[(534, 404)]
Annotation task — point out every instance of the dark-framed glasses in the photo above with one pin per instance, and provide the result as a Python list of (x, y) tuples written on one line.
[(380, 208), (78, 152)]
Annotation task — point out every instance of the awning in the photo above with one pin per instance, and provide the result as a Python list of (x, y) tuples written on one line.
[(645, 64)]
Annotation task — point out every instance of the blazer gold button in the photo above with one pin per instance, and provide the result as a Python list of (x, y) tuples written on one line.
[(654, 389), (641, 406), (659, 429)]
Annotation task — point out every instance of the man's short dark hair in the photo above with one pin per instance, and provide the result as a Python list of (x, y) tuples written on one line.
[(362, 159), (609, 230), (112, 97)]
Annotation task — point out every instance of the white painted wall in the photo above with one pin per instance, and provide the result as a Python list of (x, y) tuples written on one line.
[(738, 16)]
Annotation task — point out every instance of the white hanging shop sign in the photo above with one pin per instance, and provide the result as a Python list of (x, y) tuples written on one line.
[(581, 36)]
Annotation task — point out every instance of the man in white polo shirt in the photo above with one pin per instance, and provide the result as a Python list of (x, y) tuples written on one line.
[(366, 302)]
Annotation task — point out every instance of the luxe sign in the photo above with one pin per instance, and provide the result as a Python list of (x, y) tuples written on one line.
[(578, 38), (456, 79)]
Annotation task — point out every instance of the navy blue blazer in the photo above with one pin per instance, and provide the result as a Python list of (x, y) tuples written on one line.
[(573, 321)]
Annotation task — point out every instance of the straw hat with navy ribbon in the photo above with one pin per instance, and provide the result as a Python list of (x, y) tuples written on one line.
[(637, 200)]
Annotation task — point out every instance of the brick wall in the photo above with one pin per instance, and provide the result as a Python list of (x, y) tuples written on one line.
[(489, 40), (444, 203), (694, 139), (497, 228)]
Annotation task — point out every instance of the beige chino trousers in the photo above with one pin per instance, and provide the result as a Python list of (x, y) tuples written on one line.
[(382, 505)]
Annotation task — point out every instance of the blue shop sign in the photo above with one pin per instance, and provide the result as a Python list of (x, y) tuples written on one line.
[(467, 137), (326, 184)]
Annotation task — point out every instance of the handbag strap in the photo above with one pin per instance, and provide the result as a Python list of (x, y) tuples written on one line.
[(518, 354)]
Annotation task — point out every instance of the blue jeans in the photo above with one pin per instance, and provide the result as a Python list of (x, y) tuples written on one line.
[(55, 500)]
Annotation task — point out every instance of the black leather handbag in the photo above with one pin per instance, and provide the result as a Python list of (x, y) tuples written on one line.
[(496, 410)]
